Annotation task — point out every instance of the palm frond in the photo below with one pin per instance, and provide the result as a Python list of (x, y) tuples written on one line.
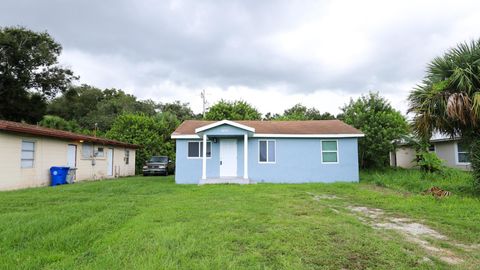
[(476, 106), (448, 99), (459, 107)]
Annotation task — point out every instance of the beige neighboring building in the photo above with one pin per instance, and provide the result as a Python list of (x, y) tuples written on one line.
[(451, 150), (27, 152)]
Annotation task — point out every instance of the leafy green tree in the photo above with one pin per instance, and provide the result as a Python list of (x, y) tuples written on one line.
[(76, 102), (152, 133), (301, 112), (380, 123), (340, 116), (448, 99), (181, 110), (326, 116), (56, 122), (114, 103), (29, 73), (271, 116), (89, 106), (236, 110)]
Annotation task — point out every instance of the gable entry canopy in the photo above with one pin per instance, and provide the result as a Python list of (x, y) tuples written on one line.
[(224, 122)]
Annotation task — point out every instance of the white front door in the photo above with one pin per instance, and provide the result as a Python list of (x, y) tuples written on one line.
[(110, 162), (228, 157), (72, 156)]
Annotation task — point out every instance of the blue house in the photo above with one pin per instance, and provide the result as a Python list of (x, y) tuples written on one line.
[(266, 151)]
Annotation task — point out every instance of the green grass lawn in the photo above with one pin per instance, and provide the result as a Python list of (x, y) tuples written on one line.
[(151, 223)]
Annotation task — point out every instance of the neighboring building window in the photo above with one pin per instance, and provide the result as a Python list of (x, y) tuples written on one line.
[(127, 156), (195, 149), (266, 151), (330, 151), (463, 155), (28, 154), (87, 150), (431, 148), (100, 152), (90, 151)]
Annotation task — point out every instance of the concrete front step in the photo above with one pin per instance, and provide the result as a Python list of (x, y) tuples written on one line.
[(226, 180)]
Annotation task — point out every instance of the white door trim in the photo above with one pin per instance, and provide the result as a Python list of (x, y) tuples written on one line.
[(228, 157), (110, 162), (72, 155)]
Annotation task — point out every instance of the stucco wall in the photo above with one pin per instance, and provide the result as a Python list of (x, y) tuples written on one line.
[(87, 171), (51, 152), (405, 157), (12, 176), (189, 170), (297, 161), (448, 152)]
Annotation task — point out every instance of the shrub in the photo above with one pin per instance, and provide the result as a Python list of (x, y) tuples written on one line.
[(429, 162), (475, 161)]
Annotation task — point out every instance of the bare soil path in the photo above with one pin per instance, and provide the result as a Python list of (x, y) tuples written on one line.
[(431, 241)]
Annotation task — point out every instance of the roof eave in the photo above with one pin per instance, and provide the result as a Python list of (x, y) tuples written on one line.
[(272, 135), (72, 136), (346, 135)]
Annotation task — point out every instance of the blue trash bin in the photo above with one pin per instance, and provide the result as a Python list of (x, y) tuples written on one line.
[(59, 175)]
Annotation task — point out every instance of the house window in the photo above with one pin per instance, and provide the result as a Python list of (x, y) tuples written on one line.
[(463, 156), (100, 152), (28, 154), (127, 156), (195, 149), (266, 151), (330, 151), (87, 150)]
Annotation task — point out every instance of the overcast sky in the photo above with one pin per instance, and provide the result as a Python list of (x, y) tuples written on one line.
[(273, 54)]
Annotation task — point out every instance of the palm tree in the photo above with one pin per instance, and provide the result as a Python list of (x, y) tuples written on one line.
[(448, 99)]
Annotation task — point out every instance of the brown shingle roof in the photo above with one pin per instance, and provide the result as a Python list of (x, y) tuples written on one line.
[(55, 133), (279, 127)]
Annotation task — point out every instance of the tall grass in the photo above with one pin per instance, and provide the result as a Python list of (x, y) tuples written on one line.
[(416, 181)]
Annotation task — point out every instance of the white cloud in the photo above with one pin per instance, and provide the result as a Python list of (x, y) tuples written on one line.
[(272, 54)]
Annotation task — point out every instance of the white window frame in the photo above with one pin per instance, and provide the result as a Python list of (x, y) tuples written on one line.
[(275, 150), (457, 162), (329, 151), (34, 151), (200, 150), (91, 154)]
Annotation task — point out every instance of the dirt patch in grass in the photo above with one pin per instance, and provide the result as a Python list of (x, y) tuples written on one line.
[(413, 231), (319, 197)]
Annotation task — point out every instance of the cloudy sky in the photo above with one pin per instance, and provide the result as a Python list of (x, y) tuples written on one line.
[(272, 54)]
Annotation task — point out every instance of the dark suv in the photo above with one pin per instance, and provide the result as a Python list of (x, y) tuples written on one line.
[(156, 165)]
